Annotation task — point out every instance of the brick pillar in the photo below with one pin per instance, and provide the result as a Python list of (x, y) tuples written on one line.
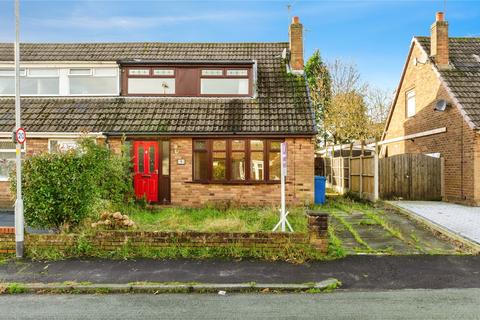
[(296, 44), (318, 230), (439, 41)]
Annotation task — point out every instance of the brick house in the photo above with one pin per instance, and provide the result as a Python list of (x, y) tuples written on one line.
[(436, 109), (203, 121)]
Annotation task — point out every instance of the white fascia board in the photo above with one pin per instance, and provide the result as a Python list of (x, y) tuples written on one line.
[(57, 135)]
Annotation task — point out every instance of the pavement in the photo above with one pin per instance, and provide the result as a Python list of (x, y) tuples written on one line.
[(355, 272), (461, 220), (399, 304)]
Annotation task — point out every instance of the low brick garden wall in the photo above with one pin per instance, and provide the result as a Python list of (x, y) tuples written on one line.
[(113, 240)]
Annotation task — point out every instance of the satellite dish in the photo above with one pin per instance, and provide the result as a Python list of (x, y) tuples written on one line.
[(441, 105), (284, 54), (415, 61)]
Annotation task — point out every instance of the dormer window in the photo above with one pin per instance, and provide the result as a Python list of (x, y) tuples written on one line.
[(188, 80)]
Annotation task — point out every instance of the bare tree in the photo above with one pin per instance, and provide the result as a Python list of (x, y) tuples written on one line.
[(346, 78), (378, 105)]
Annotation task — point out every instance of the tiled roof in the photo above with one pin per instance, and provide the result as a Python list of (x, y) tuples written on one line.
[(280, 107), (464, 78)]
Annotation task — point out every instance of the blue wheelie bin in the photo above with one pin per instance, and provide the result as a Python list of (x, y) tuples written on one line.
[(319, 190)]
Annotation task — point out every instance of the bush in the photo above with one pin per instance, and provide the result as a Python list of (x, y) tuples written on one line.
[(62, 189)]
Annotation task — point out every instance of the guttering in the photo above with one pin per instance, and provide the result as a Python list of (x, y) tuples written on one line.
[(207, 134), (192, 62), (57, 135)]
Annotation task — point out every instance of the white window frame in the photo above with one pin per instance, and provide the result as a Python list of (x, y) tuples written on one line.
[(75, 141), (410, 94), (63, 75), (23, 151), (90, 72), (93, 75)]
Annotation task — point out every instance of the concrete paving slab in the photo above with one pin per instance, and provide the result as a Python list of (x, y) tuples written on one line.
[(461, 220)]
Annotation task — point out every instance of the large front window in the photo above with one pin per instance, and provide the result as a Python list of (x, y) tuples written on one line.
[(236, 160)]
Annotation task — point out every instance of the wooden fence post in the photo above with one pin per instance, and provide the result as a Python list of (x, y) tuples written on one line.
[(442, 177), (361, 171), (375, 174)]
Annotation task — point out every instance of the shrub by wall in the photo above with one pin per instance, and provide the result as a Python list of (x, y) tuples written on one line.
[(62, 189)]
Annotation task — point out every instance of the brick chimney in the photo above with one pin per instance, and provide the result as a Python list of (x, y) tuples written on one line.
[(295, 33), (439, 40)]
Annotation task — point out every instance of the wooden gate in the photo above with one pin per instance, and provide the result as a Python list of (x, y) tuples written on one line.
[(411, 177)]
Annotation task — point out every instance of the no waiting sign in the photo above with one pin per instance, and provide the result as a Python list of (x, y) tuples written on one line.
[(21, 135)]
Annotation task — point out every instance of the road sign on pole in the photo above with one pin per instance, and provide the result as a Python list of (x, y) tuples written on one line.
[(283, 169), (20, 138)]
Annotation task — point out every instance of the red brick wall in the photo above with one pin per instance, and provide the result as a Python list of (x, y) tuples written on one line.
[(459, 145), (299, 180)]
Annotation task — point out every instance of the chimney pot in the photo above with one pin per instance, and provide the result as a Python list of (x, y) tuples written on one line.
[(296, 20), (440, 16)]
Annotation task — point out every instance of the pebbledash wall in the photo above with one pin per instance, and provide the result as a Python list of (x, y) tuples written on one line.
[(460, 145), (185, 192)]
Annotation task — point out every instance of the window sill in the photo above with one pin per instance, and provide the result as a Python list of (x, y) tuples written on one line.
[(240, 183)]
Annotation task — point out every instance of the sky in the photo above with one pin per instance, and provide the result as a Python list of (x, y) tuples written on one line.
[(375, 34)]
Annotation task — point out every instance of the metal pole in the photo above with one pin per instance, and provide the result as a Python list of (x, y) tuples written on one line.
[(19, 236)]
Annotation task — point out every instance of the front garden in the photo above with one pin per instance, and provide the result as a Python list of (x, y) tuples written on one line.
[(85, 198)]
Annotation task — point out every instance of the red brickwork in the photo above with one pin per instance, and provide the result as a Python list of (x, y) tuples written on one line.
[(299, 186), (459, 146)]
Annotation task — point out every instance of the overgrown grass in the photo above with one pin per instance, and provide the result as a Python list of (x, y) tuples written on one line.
[(294, 253), (210, 219)]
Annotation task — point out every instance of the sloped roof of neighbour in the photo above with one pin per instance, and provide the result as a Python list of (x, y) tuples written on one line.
[(463, 80), (281, 105)]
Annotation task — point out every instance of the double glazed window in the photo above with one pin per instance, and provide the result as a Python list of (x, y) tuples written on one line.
[(61, 145), (151, 81), (61, 81), (93, 81), (225, 81), (411, 105), (33, 82), (236, 160), (7, 158), (188, 81)]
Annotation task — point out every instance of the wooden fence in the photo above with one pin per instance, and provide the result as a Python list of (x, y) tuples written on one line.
[(411, 177), (406, 176)]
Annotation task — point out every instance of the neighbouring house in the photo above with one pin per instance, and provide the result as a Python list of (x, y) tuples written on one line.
[(203, 121), (436, 110)]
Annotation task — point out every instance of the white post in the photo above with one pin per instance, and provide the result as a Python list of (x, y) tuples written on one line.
[(283, 175), (19, 220), (282, 180)]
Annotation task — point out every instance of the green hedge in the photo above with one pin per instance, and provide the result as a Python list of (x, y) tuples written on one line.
[(61, 189)]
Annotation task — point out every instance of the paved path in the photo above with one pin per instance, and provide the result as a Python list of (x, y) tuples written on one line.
[(355, 272), (402, 304), (462, 220)]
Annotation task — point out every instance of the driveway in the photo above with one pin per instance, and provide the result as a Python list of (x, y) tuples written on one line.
[(460, 220)]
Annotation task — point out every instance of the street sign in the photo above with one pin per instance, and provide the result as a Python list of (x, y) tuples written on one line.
[(21, 135)]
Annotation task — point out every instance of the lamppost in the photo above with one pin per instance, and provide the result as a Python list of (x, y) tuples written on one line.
[(19, 220)]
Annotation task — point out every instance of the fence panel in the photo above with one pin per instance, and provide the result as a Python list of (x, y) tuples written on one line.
[(410, 177)]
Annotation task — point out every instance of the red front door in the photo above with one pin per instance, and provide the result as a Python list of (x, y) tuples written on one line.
[(145, 168)]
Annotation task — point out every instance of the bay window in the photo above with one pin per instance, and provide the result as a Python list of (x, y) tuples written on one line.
[(236, 160)]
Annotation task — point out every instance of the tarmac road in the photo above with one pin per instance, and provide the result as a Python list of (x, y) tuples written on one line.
[(400, 304)]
